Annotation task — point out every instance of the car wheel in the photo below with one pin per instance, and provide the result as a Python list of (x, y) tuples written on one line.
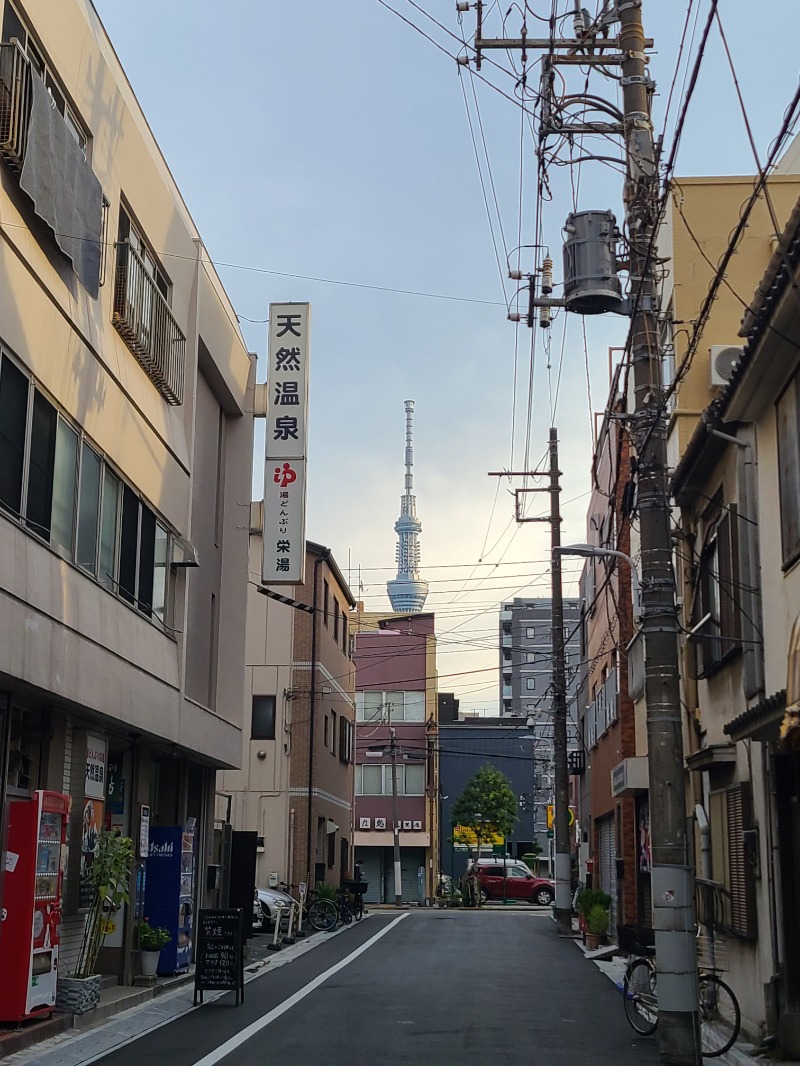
[(485, 897), (544, 896)]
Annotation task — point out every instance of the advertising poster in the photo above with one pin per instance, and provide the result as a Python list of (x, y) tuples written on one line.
[(90, 835)]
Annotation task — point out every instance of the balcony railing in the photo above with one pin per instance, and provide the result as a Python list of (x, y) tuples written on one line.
[(143, 318), (15, 103)]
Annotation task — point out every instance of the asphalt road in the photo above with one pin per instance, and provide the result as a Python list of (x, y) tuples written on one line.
[(435, 987)]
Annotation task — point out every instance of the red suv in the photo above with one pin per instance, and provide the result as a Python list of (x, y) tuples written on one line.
[(520, 883)]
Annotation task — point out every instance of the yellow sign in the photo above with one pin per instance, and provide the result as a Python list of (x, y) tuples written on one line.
[(462, 834), (551, 816)]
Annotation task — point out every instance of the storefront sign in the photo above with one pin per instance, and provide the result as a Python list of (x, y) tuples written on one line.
[(284, 549), (96, 749), (219, 962), (115, 799), (144, 831)]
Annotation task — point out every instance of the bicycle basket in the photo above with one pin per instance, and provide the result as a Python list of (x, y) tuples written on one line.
[(712, 953), (358, 888)]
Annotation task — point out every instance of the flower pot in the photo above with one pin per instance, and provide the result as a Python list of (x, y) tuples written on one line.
[(149, 962), (77, 995), (593, 941)]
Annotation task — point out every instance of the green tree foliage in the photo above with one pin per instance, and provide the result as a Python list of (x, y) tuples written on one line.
[(487, 806)]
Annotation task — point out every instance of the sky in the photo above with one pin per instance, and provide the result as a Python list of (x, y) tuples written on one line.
[(332, 153)]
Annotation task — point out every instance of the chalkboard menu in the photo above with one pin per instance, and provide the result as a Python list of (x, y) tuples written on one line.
[(219, 963)]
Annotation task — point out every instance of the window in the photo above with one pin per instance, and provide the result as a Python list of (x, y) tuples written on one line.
[(731, 816), (331, 849), (13, 422), (530, 684), (414, 779), (59, 485), (788, 412), (345, 740), (369, 780), (377, 780), (530, 633), (89, 509), (325, 602), (345, 629), (14, 27), (390, 706), (336, 620), (263, 720), (333, 732), (325, 731), (718, 597)]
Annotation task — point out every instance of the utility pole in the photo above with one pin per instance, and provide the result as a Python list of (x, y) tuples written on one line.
[(672, 877), (563, 903), (672, 874), (563, 908), (398, 876)]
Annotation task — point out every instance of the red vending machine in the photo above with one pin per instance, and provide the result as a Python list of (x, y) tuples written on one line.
[(29, 934)]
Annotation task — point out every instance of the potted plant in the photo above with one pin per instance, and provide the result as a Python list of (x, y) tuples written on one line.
[(151, 939), (109, 876), (596, 926), (587, 899)]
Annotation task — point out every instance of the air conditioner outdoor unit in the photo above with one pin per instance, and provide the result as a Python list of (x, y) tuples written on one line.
[(724, 358)]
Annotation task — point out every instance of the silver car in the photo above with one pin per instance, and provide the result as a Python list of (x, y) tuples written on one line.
[(266, 904)]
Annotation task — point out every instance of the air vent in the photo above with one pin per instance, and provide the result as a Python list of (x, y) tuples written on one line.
[(724, 358)]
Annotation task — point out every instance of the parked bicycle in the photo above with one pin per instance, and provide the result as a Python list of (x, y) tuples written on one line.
[(324, 914), (720, 1016)]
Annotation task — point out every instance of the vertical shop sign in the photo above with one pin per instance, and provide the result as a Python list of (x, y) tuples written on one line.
[(94, 792), (144, 831), (284, 548)]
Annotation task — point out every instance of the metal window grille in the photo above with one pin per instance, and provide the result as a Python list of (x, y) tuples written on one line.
[(143, 318)]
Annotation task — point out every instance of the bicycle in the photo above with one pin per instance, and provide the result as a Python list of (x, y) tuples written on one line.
[(720, 1016), (322, 913)]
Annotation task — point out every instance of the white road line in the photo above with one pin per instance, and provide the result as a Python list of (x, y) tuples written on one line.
[(256, 1027)]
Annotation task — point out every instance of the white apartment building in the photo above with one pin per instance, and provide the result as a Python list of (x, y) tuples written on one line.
[(125, 463)]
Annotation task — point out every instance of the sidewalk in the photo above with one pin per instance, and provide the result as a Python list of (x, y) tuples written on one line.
[(127, 1012), (608, 960)]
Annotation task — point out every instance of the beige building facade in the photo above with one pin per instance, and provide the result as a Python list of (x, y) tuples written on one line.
[(722, 564), (126, 439)]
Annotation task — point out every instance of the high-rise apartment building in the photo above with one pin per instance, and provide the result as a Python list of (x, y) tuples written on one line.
[(526, 691)]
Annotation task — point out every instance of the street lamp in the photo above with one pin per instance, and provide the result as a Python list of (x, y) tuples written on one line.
[(593, 551)]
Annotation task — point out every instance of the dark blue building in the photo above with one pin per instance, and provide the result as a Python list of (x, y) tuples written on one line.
[(465, 747)]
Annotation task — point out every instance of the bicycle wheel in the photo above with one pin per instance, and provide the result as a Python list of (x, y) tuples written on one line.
[(358, 908), (345, 914), (720, 1017), (322, 915), (639, 996)]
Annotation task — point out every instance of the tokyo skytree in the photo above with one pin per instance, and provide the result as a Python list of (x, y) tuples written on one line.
[(407, 591)]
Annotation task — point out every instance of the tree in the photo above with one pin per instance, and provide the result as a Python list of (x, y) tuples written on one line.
[(487, 807)]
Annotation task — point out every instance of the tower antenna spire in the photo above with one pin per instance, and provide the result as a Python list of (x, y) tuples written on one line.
[(407, 591)]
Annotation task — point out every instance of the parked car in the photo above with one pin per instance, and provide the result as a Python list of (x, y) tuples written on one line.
[(520, 883), (266, 903)]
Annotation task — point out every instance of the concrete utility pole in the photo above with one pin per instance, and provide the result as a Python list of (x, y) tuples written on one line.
[(563, 901), (672, 872), (672, 876), (563, 907), (398, 875)]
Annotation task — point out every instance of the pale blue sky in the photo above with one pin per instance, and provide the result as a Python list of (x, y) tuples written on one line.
[(332, 141)]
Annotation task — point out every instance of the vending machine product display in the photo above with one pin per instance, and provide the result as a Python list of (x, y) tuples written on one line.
[(169, 892), (29, 933)]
